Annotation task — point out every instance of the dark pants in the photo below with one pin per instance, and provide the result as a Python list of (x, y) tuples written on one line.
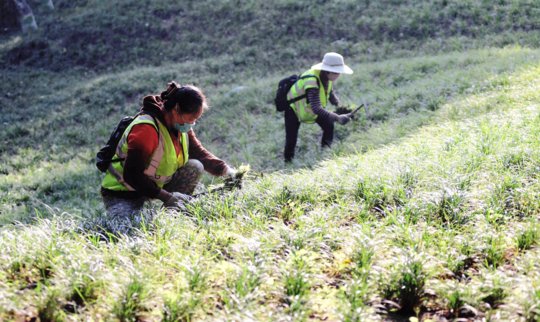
[(292, 125)]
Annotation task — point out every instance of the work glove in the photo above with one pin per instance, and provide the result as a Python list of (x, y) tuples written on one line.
[(343, 110), (232, 179), (230, 172), (177, 201), (344, 118)]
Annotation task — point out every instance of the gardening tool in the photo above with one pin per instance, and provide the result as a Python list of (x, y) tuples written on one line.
[(346, 110), (356, 110)]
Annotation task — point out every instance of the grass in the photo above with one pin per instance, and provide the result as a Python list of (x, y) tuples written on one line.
[(426, 206), (444, 205), (34, 171)]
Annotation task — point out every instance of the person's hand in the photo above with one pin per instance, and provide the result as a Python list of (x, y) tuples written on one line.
[(177, 201), (344, 118), (233, 178), (231, 172), (342, 110)]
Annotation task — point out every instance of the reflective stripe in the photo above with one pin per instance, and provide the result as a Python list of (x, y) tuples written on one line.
[(119, 177), (185, 147), (119, 152), (156, 159)]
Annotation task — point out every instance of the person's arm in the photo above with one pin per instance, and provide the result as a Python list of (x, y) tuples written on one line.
[(315, 102), (142, 141), (333, 98), (211, 163)]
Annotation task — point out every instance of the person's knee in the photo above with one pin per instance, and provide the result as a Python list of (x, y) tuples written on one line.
[(196, 165)]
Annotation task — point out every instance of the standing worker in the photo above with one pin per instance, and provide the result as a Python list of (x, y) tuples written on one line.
[(161, 158), (309, 97)]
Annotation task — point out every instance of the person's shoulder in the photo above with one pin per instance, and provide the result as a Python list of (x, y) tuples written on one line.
[(311, 82), (310, 76), (144, 129)]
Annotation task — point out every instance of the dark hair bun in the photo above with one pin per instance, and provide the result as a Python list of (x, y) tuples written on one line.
[(169, 92)]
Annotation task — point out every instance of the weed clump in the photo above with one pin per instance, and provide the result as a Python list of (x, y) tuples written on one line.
[(131, 305), (528, 238), (406, 288), (448, 208)]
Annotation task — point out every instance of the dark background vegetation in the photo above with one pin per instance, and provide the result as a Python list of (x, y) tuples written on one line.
[(267, 35)]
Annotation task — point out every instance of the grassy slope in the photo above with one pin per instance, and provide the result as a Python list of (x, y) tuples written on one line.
[(50, 94), (435, 190), (448, 210)]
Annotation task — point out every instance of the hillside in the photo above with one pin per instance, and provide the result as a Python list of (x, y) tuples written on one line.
[(260, 34), (426, 206), (91, 62)]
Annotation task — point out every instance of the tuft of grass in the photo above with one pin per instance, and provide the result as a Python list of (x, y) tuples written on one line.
[(407, 286), (449, 208), (456, 298), (494, 252), (355, 295), (51, 309), (131, 303), (362, 258), (85, 289), (532, 306), (455, 302), (505, 200), (181, 307), (528, 238), (378, 198), (495, 296), (296, 285), (247, 282), (196, 278)]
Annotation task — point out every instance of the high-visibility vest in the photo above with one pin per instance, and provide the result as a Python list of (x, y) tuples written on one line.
[(301, 107), (164, 161)]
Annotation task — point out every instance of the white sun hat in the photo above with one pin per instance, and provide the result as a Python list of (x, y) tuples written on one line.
[(333, 62)]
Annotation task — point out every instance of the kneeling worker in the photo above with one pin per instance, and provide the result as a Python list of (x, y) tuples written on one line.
[(161, 157), (309, 97)]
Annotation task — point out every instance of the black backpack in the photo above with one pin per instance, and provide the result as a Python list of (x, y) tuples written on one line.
[(284, 86), (105, 155)]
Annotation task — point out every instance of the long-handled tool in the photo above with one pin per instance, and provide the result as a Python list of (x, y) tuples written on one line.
[(364, 105), (351, 114)]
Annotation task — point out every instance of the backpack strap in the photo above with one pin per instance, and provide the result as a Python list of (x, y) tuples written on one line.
[(296, 99), (153, 163), (118, 147)]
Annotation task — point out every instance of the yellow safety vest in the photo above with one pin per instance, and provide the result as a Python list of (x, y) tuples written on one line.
[(301, 107), (164, 161)]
